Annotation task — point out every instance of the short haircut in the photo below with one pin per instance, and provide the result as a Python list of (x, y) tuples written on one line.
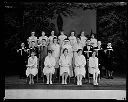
[(49, 51), (79, 50), (33, 52), (65, 49)]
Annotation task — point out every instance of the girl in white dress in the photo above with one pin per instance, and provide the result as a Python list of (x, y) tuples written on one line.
[(93, 41), (49, 69), (65, 63), (32, 67), (61, 38), (32, 38), (83, 38), (42, 37), (80, 63), (50, 39), (93, 68), (68, 46), (72, 38)]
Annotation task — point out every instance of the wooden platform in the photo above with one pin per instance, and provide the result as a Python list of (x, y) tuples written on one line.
[(14, 82)]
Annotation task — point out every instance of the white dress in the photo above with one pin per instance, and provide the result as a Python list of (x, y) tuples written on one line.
[(83, 40), (61, 38), (70, 49), (32, 69), (43, 37), (94, 42), (32, 38), (80, 63), (93, 65), (49, 61), (56, 53), (64, 63), (72, 40)]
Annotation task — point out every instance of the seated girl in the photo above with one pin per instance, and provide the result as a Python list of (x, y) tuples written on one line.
[(49, 64), (65, 63), (93, 68), (32, 67), (80, 63)]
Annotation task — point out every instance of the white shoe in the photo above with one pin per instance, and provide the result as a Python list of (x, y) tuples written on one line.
[(62, 82), (65, 83), (97, 84), (80, 82), (50, 82), (47, 82)]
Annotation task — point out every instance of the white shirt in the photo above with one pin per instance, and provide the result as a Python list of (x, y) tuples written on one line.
[(61, 38), (83, 40), (56, 50), (49, 61), (93, 62), (69, 47), (32, 62), (32, 38), (94, 41), (80, 60), (43, 37), (51, 38), (77, 46), (65, 60), (72, 40)]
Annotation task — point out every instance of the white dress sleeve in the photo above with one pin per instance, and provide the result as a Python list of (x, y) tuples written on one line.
[(83, 61), (46, 61)]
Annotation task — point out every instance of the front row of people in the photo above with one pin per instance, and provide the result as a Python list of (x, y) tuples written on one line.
[(65, 63)]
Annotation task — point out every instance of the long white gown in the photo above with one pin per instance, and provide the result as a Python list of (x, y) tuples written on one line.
[(93, 65), (80, 63), (32, 69), (49, 61), (65, 63)]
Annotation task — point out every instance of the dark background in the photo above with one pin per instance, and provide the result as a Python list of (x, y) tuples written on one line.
[(111, 27)]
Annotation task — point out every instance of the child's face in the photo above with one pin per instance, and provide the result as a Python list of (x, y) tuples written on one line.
[(52, 33), (82, 33), (80, 52), (32, 54), (72, 33), (33, 33), (43, 33), (65, 52), (49, 54)]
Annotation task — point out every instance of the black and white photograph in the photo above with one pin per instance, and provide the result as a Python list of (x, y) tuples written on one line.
[(65, 50)]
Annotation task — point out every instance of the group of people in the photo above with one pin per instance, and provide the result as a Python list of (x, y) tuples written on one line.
[(66, 57)]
